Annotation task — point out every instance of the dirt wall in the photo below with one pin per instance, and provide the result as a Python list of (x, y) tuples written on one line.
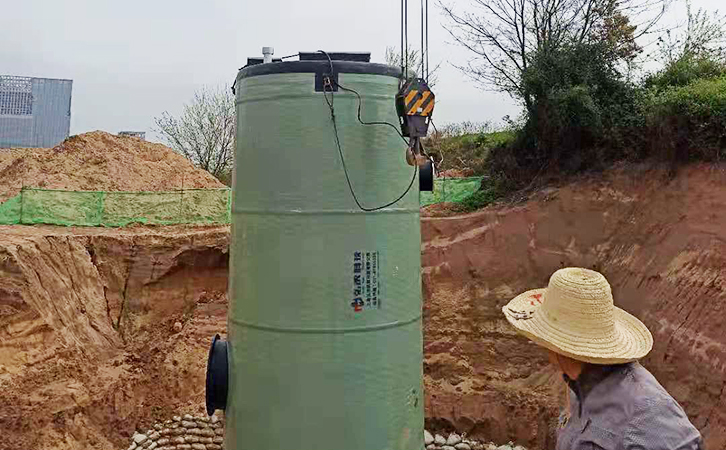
[(103, 331), (662, 244)]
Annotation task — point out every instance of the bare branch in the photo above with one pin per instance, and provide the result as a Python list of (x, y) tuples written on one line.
[(505, 34), (393, 58), (204, 132)]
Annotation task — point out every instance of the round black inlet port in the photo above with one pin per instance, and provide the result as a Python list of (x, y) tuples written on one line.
[(426, 177), (217, 376)]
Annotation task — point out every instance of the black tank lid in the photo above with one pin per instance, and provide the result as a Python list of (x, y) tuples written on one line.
[(317, 56), (254, 61), (316, 62)]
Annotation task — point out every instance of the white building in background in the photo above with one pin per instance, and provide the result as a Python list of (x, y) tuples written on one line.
[(138, 134), (34, 112)]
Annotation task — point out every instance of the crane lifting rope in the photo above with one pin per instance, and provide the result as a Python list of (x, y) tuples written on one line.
[(415, 100)]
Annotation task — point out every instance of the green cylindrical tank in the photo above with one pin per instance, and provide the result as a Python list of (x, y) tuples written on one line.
[(310, 368)]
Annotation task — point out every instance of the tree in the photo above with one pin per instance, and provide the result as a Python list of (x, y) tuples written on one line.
[(505, 35), (393, 58), (703, 37), (204, 132)]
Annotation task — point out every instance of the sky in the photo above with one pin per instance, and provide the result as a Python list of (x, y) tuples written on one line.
[(132, 60)]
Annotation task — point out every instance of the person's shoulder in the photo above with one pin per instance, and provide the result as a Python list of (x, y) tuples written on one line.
[(632, 386), (646, 396), (655, 419), (643, 387)]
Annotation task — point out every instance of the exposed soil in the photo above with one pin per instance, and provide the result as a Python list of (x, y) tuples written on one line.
[(662, 244), (99, 161), (88, 351), (445, 209)]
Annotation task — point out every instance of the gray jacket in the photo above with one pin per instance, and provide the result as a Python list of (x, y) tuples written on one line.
[(623, 407)]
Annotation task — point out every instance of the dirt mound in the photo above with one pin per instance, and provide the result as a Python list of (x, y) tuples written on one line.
[(99, 161)]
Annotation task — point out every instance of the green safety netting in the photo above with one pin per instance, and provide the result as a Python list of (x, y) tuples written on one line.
[(117, 209), (452, 190), (189, 206), (10, 211)]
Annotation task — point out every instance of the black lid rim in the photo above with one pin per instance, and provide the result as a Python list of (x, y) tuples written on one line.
[(354, 67), (335, 56)]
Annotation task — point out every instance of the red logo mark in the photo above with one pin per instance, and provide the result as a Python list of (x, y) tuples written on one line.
[(537, 297)]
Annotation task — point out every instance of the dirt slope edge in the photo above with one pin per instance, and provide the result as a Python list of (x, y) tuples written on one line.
[(88, 350), (662, 244)]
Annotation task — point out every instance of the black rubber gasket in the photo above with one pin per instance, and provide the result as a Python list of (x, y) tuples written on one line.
[(217, 376), (426, 177)]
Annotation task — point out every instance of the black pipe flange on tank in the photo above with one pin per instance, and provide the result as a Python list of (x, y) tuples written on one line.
[(217, 376), (426, 177)]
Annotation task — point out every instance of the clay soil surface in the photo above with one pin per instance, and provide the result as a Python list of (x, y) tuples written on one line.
[(660, 241), (99, 161), (88, 351)]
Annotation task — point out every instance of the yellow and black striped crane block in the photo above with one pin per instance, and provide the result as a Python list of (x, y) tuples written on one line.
[(419, 100), (415, 106)]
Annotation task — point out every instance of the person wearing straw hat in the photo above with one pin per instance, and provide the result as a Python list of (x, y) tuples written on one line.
[(615, 403)]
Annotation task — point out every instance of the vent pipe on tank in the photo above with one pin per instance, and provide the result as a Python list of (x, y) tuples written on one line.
[(267, 53)]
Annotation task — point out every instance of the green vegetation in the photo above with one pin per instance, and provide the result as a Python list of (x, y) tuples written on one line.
[(688, 122), (684, 71), (701, 99), (464, 147), (585, 107), (483, 197), (448, 190)]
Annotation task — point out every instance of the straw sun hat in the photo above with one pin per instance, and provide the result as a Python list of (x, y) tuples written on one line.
[(575, 317)]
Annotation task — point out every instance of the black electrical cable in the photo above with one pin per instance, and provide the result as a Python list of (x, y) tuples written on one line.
[(329, 83), (360, 104), (350, 184)]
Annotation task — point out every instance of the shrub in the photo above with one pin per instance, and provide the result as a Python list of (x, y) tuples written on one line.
[(464, 147), (703, 99), (481, 198), (689, 122), (582, 111), (686, 70)]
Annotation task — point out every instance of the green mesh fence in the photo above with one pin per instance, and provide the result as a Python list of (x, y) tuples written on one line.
[(10, 211), (453, 190), (190, 206), (117, 209)]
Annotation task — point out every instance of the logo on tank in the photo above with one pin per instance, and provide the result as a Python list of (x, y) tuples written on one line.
[(366, 284)]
